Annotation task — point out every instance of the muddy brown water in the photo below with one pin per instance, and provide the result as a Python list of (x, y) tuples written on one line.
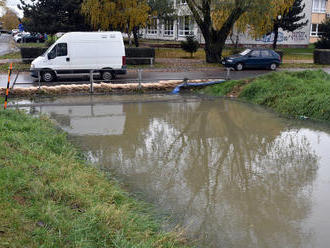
[(229, 173)]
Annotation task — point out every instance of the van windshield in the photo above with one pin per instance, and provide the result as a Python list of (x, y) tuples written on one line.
[(47, 51)]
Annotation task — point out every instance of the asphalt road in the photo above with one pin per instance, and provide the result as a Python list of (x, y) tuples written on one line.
[(25, 80), (5, 44)]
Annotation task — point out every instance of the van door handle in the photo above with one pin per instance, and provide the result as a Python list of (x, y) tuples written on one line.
[(67, 59)]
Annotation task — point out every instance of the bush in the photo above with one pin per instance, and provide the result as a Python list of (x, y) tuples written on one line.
[(324, 42), (191, 45), (51, 40)]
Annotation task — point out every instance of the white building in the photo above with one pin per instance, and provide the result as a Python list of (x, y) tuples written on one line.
[(177, 30), (174, 29)]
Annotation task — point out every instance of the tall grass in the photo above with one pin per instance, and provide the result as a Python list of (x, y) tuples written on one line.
[(305, 93), (49, 197)]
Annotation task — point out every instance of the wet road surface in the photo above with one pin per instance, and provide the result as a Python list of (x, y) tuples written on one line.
[(5, 44), (25, 80)]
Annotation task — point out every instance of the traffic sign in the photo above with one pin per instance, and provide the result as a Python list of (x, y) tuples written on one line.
[(20, 27)]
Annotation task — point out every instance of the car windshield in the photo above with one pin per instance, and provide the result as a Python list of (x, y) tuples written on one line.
[(245, 52)]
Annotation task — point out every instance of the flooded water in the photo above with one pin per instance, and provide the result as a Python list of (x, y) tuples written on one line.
[(231, 174)]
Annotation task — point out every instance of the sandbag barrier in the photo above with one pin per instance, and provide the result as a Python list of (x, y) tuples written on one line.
[(98, 88)]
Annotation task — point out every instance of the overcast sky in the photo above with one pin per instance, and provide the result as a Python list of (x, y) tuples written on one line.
[(13, 5)]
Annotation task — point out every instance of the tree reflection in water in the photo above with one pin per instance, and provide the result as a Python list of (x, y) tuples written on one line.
[(231, 176)]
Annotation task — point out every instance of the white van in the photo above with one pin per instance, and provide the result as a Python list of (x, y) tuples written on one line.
[(77, 53)]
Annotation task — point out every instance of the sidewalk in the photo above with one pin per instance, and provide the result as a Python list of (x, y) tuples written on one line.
[(4, 61)]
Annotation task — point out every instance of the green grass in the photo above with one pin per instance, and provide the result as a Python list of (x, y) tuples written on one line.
[(14, 55), (16, 67), (289, 53), (49, 197), (295, 94), (31, 44)]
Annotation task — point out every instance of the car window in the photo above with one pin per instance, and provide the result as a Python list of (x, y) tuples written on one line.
[(265, 53), (245, 52), (62, 49), (255, 53)]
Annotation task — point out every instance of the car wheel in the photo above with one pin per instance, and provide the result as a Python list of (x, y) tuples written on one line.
[(273, 66), (107, 75), (48, 76), (239, 67)]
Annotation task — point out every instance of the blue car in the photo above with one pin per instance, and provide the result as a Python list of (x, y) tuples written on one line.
[(253, 58)]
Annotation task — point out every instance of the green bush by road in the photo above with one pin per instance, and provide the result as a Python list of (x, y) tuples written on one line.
[(49, 197), (305, 93)]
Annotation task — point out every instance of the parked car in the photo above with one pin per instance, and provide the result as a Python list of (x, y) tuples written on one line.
[(79, 53), (253, 58), (14, 32), (27, 38), (19, 35)]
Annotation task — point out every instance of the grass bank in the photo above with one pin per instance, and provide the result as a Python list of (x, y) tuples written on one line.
[(296, 94), (49, 197)]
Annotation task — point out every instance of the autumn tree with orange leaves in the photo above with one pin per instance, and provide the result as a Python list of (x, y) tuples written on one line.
[(123, 15)]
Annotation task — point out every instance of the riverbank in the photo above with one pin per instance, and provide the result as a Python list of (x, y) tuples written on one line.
[(49, 197), (304, 94)]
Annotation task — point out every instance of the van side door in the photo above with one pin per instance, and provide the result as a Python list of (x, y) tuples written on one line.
[(59, 59)]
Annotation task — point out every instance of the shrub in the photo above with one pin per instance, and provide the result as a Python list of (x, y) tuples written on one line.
[(51, 40), (191, 45), (324, 42)]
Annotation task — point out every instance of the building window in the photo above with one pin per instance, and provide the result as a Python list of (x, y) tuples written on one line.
[(319, 6), (186, 26), (315, 30), (169, 28), (152, 27)]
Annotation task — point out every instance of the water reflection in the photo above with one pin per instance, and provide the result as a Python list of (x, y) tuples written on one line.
[(231, 175)]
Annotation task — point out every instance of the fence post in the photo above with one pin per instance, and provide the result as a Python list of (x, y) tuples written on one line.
[(12, 87), (228, 72), (91, 80), (151, 61), (140, 77), (39, 79), (8, 83)]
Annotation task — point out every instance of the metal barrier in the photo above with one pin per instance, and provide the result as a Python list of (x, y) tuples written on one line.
[(228, 72)]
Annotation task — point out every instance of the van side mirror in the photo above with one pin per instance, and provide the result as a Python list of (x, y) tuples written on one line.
[(48, 56)]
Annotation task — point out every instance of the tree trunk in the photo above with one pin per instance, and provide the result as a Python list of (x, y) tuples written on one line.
[(275, 36), (215, 39), (213, 51), (136, 36)]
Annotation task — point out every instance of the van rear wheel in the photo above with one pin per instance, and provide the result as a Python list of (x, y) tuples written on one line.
[(48, 76), (107, 75)]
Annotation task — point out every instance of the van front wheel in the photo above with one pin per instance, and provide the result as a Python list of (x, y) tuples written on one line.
[(107, 75), (48, 76)]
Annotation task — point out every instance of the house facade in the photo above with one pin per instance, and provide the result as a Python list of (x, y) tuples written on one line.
[(185, 25), (320, 11)]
